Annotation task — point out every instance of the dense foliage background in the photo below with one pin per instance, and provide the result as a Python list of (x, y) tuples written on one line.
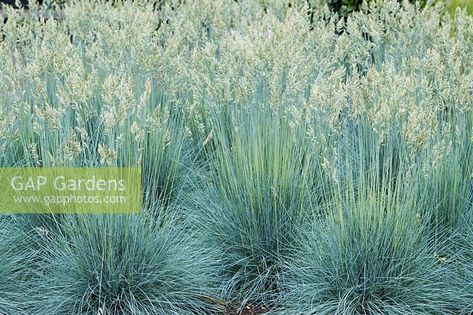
[(293, 161)]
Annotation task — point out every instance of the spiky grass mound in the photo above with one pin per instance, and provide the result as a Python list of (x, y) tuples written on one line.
[(123, 265), (369, 255), (258, 189)]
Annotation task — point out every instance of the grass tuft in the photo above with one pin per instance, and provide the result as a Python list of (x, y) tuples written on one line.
[(122, 265), (258, 190)]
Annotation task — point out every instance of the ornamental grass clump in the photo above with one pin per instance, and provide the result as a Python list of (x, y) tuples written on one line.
[(369, 255), (122, 265), (259, 188)]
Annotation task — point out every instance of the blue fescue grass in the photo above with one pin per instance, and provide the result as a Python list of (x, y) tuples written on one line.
[(355, 267), (369, 255), (371, 252), (258, 189), (123, 265)]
